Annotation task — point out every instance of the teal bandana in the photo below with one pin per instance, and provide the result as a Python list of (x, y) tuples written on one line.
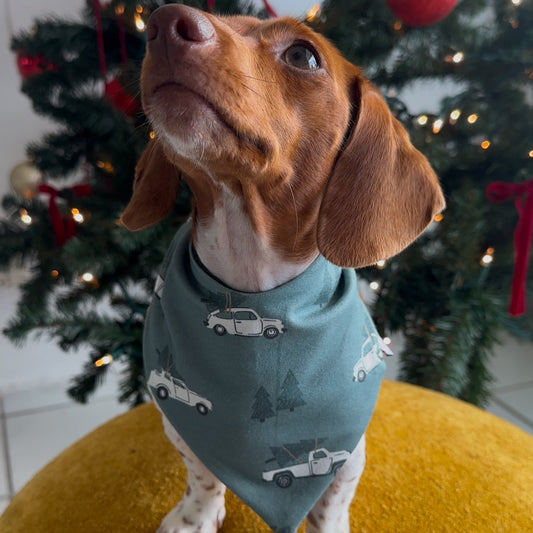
[(272, 391)]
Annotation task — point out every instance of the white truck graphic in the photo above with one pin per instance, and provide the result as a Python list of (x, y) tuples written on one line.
[(243, 321), (167, 386), (319, 463), (371, 355)]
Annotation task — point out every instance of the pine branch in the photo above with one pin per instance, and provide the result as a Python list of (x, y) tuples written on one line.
[(85, 384)]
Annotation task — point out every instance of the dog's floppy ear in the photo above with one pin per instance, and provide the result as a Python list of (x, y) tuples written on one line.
[(381, 194), (154, 191)]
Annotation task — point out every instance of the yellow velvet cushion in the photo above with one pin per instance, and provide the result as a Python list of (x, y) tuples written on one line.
[(434, 464)]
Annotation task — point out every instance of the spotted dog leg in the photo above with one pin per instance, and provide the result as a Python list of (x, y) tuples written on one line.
[(201, 509), (331, 513)]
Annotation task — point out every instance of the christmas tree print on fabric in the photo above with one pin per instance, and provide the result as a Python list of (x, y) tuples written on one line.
[(262, 407), (166, 362), (291, 395)]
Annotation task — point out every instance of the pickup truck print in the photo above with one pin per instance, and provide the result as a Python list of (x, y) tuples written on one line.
[(167, 386), (372, 351), (320, 462), (244, 322)]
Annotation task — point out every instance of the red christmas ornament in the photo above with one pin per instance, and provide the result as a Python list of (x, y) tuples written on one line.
[(116, 94), (421, 12), (29, 65)]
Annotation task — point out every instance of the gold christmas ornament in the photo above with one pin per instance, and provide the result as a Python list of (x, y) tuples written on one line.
[(25, 179)]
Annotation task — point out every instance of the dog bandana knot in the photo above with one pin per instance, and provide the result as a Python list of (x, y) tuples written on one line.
[(272, 391)]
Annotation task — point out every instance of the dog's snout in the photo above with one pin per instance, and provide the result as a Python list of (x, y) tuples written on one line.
[(176, 23)]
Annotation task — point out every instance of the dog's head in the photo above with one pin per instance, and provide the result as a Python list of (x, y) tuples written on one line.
[(271, 111)]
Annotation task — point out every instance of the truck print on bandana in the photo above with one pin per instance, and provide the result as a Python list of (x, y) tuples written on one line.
[(244, 322), (168, 387), (317, 462), (284, 409), (372, 351)]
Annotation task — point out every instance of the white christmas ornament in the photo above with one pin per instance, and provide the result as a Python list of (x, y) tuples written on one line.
[(292, 8), (25, 179)]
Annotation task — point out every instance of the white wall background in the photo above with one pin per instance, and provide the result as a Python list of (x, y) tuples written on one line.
[(38, 362)]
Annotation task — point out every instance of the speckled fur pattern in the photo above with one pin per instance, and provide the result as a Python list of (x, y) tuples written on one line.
[(201, 509)]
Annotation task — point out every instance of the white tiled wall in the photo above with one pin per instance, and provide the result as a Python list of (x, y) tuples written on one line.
[(512, 390)]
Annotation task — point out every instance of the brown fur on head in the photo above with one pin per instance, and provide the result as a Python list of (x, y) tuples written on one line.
[(316, 155)]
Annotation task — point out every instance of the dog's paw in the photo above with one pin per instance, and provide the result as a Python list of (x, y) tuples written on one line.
[(188, 517)]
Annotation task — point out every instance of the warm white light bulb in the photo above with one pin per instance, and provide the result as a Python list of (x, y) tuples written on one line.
[(87, 277), (488, 257), (455, 114), (437, 125), (312, 13), (104, 360), (25, 217), (458, 57), (77, 216), (139, 23)]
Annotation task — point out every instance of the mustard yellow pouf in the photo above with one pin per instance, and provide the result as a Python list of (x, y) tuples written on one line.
[(434, 464)]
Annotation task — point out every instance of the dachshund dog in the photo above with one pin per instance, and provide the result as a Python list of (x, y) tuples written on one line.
[(291, 154)]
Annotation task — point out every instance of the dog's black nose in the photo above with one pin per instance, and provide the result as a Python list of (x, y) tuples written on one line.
[(177, 23)]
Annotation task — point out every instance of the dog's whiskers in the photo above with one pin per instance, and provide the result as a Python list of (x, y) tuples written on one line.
[(296, 233), (260, 79), (244, 86)]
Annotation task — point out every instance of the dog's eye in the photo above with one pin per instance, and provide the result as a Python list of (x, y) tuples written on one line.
[(301, 56)]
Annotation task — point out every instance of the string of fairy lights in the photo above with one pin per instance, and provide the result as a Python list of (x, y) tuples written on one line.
[(25, 178)]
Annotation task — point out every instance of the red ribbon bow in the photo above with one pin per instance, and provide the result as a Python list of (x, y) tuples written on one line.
[(63, 231), (523, 197)]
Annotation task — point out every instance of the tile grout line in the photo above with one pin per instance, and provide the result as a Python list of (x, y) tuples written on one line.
[(511, 410), (54, 407), (7, 457), (511, 388)]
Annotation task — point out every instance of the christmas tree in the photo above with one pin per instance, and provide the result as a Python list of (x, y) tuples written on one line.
[(290, 394), (91, 280), (448, 292)]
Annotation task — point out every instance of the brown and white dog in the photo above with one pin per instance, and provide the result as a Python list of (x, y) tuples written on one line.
[(289, 152)]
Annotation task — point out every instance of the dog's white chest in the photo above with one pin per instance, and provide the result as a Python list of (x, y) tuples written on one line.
[(232, 251)]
